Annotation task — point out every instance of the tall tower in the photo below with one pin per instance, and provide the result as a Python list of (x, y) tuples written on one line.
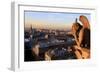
[(76, 20), (31, 28), (31, 31)]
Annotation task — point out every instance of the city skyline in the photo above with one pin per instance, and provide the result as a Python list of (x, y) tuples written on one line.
[(51, 20)]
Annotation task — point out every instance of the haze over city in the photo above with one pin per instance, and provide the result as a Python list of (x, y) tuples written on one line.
[(51, 20)]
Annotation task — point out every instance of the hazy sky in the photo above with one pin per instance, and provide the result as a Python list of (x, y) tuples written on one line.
[(51, 20)]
